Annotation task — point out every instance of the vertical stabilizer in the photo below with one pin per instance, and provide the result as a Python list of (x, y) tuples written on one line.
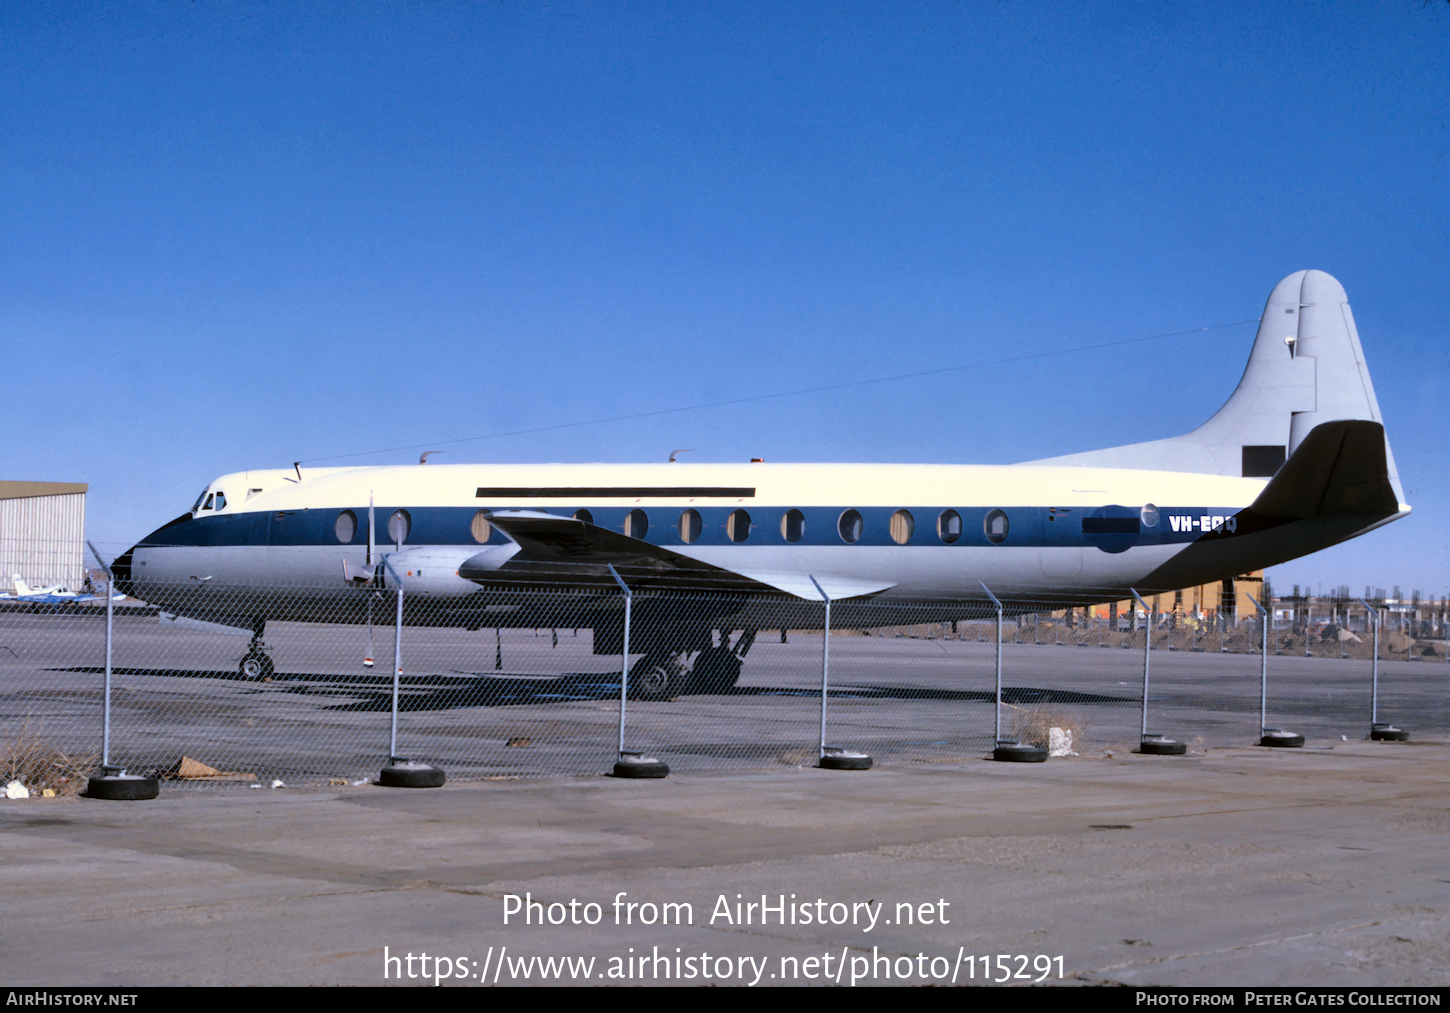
[(1306, 368)]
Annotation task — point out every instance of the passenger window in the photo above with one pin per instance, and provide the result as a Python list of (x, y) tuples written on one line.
[(345, 527), (995, 526), (793, 525), (737, 525), (690, 526), (399, 526), (949, 526), (1149, 516), (636, 524), (221, 501), (584, 515), (480, 527), (850, 526), (903, 525)]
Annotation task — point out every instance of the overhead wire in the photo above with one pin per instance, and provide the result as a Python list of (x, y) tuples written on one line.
[(754, 398)]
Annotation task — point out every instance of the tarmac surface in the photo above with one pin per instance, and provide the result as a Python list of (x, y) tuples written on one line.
[(1232, 866)]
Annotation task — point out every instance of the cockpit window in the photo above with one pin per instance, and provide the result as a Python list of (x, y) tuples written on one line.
[(197, 505), (221, 501), (207, 505)]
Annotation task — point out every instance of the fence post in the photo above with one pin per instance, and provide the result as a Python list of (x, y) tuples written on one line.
[(1379, 731), (631, 764), (401, 771), (1277, 737), (113, 782), (1155, 744), (833, 757)]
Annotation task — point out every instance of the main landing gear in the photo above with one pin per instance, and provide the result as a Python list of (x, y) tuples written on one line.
[(255, 665), (663, 676)]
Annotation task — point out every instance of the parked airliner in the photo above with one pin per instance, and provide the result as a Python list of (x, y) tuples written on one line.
[(1295, 461)]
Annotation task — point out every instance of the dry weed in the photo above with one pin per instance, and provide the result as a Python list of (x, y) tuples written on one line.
[(1032, 724), (28, 758)]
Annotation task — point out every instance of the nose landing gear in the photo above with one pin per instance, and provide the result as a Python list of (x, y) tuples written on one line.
[(255, 665)]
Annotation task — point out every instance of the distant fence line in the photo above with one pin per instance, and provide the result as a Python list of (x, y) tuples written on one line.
[(526, 682)]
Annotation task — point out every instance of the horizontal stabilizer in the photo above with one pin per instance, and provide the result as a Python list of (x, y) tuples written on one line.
[(1338, 469)]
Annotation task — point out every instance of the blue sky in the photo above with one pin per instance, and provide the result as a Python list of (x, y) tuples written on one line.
[(240, 235)]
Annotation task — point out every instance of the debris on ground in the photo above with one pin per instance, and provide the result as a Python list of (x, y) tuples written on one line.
[(187, 769)]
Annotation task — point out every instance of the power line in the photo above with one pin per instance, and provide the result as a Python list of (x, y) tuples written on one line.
[(785, 393)]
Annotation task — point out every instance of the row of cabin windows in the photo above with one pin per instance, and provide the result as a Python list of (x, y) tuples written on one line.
[(850, 526)]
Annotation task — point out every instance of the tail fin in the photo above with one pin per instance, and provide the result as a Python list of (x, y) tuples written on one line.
[(21, 588), (1306, 368)]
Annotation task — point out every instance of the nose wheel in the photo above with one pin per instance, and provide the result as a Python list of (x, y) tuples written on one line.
[(256, 666)]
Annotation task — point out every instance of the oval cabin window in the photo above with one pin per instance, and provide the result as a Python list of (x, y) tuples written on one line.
[(995, 526), (949, 526), (584, 515), (345, 527), (399, 526), (793, 526), (1149, 516), (737, 525), (903, 526), (636, 524), (850, 526), (480, 527), (690, 526)]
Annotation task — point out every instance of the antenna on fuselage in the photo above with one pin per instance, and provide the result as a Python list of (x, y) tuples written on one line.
[(298, 466), (423, 458), (675, 453)]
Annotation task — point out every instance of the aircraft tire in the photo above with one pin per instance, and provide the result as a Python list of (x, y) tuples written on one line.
[(411, 774), (1278, 738), (653, 679), (1385, 732), (1019, 752), (1158, 745), (122, 787), (634, 765), (716, 670), (844, 759), (256, 667)]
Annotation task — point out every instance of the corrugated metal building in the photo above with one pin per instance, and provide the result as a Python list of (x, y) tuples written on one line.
[(43, 533)]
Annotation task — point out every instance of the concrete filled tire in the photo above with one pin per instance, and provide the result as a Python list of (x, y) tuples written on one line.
[(1019, 752), (1385, 732), (411, 774), (122, 787), (1278, 738), (1161, 745), (633, 765), (844, 759)]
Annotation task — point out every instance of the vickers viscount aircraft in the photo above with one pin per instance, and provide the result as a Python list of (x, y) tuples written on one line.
[(1295, 461)]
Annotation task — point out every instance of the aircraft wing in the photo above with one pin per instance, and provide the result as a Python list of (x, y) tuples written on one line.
[(551, 546)]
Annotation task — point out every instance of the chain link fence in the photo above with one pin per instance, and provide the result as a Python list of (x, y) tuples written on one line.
[(526, 681)]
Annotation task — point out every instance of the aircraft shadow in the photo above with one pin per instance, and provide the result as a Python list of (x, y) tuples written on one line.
[(373, 693)]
